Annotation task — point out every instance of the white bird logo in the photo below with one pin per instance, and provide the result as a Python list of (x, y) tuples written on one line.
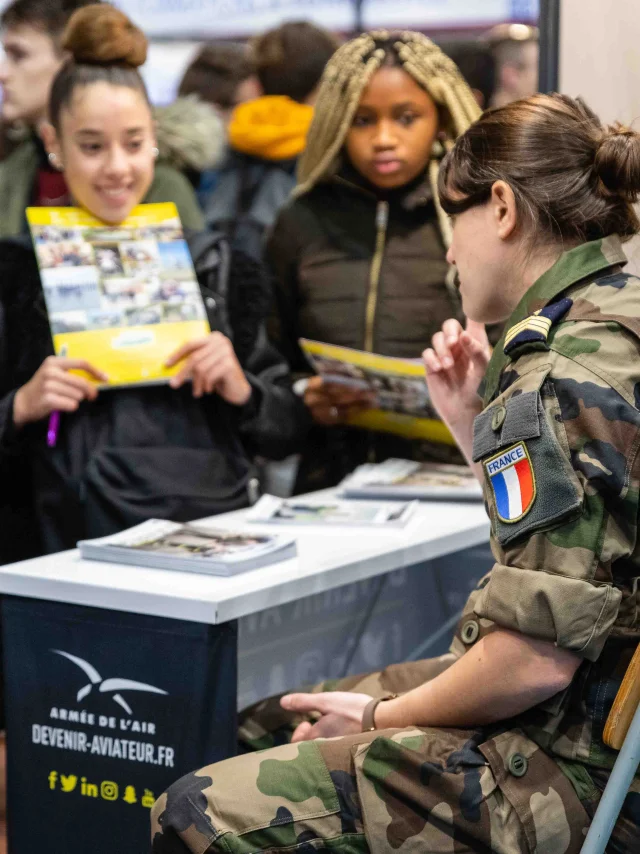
[(107, 685)]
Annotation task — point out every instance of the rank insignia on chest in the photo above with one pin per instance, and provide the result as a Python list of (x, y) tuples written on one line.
[(513, 482)]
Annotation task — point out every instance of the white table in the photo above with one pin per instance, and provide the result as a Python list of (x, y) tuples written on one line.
[(327, 558), (178, 632)]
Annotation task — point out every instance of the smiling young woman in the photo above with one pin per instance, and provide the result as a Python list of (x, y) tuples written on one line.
[(31, 32), (182, 450)]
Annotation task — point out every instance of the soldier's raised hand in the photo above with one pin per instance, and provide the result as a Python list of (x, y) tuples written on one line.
[(456, 363)]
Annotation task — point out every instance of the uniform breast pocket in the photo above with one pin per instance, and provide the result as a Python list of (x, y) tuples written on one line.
[(529, 481)]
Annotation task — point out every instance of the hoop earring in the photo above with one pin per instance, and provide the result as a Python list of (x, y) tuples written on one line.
[(53, 160), (155, 151)]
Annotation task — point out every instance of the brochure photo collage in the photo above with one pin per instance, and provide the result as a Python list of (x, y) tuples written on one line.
[(114, 276)]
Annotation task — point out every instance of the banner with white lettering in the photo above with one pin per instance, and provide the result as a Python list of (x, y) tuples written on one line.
[(104, 710)]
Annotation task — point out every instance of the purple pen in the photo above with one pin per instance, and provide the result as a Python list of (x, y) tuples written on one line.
[(54, 419), (52, 429)]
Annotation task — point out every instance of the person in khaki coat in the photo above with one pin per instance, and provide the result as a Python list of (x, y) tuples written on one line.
[(358, 256), (497, 746)]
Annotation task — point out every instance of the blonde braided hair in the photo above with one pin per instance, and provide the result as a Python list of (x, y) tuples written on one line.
[(346, 76)]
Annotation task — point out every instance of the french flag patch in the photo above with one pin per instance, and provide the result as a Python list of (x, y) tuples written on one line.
[(513, 482)]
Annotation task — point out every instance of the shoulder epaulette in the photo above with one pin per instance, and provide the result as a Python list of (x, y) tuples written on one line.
[(536, 327)]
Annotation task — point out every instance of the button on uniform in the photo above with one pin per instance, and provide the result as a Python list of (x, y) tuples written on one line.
[(518, 765), (470, 632), (499, 414)]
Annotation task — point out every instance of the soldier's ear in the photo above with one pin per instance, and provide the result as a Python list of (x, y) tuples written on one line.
[(504, 209)]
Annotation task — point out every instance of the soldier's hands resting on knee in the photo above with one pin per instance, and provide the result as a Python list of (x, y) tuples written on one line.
[(341, 713), (212, 366)]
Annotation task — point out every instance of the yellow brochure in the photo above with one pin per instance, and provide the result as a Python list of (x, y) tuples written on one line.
[(122, 297), (402, 403)]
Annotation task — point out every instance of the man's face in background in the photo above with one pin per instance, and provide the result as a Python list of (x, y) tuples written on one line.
[(27, 69)]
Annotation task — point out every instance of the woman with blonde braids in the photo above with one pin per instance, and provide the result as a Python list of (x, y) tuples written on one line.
[(359, 254)]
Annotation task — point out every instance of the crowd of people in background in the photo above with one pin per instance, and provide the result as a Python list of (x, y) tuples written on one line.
[(314, 159)]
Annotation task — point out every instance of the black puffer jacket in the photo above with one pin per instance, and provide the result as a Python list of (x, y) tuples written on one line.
[(141, 452), (366, 271)]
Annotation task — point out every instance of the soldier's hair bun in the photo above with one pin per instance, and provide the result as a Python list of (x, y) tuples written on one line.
[(573, 178), (617, 162), (100, 34)]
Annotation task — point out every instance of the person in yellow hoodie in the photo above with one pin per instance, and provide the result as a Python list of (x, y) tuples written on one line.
[(267, 135)]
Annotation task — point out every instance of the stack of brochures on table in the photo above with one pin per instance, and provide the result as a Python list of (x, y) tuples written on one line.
[(406, 479), (192, 547), (331, 511)]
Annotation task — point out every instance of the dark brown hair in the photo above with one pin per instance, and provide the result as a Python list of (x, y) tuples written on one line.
[(290, 59), (104, 46), (573, 178), (48, 16), (216, 72)]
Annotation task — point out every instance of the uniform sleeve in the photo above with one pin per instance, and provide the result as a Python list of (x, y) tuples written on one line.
[(169, 185), (559, 450)]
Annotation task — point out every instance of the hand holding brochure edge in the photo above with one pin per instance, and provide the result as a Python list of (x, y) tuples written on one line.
[(212, 365), (54, 388), (334, 403), (402, 404)]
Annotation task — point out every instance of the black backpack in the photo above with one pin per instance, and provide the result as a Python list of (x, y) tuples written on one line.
[(247, 199)]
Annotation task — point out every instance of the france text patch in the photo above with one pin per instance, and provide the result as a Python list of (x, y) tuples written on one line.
[(513, 482)]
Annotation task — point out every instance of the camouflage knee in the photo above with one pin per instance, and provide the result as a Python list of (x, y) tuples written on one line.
[(281, 798)]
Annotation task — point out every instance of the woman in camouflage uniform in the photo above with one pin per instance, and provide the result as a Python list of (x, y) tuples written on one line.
[(497, 746)]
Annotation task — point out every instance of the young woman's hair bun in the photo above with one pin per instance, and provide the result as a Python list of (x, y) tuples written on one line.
[(100, 34), (617, 162)]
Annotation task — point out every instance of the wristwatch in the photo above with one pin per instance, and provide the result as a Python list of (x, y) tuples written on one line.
[(368, 716)]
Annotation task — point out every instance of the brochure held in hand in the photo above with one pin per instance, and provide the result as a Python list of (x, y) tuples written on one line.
[(122, 297), (191, 547), (400, 401)]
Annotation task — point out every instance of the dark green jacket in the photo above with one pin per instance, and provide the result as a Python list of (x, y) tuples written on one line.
[(18, 172)]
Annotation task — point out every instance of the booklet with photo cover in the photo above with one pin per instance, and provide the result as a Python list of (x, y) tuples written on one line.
[(191, 547), (401, 402), (122, 297), (406, 479), (331, 511)]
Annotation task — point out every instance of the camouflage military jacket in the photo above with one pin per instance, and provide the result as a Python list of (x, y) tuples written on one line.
[(558, 442)]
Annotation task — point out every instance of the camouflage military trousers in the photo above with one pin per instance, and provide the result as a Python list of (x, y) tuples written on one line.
[(415, 789)]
